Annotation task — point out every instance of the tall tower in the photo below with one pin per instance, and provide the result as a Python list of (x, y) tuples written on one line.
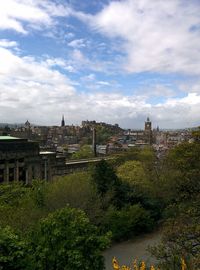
[(148, 131), (147, 126), (63, 121)]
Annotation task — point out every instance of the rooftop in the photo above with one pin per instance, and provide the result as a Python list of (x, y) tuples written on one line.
[(3, 138)]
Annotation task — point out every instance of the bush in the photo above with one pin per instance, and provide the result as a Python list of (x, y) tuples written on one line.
[(127, 222), (67, 240), (12, 250)]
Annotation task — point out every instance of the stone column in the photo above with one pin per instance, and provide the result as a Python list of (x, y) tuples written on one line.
[(16, 171), (27, 175), (45, 170), (6, 172)]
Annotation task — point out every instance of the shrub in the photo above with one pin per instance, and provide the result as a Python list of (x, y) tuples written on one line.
[(127, 222)]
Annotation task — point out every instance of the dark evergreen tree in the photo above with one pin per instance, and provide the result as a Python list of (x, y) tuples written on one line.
[(104, 177)]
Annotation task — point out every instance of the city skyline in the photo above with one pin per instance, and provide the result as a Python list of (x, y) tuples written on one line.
[(112, 61)]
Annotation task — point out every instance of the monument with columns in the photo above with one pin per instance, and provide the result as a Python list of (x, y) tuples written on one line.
[(19, 160)]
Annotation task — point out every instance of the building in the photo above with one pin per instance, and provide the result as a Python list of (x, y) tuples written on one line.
[(140, 137), (19, 160), (63, 121), (148, 131)]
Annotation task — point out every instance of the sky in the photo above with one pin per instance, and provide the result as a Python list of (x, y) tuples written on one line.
[(115, 61)]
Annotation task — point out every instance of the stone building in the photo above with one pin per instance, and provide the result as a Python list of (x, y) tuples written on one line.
[(140, 137), (19, 160), (148, 131)]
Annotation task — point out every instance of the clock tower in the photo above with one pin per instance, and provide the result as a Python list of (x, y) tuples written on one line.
[(148, 131), (147, 126)]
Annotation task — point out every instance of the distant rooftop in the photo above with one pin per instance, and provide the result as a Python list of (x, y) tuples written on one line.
[(47, 153), (3, 138)]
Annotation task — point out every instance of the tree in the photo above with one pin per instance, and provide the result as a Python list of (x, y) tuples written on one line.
[(67, 240), (12, 250), (141, 187), (181, 182), (132, 172), (181, 171), (196, 135), (84, 152), (77, 191), (21, 207), (181, 239), (104, 177), (127, 222)]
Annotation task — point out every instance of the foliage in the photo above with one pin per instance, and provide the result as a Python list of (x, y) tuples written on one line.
[(181, 170), (196, 135), (142, 265), (12, 250), (111, 189), (127, 222), (142, 189), (126, 203), (18, 208), (64, 240), (67, 240), (22, 207), (103, 134), (11, 194), (131, 170), (130, 154), (39, 191), (181, 238), (104, 177), (181, 181), (76, 190), (84, 152)]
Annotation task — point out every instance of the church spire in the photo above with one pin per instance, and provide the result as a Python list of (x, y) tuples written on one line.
[(63, 121)]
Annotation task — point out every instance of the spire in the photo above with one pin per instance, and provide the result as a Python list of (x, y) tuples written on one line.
[(63, 121)]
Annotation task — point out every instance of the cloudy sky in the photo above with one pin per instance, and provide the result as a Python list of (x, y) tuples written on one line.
[(116, 61)]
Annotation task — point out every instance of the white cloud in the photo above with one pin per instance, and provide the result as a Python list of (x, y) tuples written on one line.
[(8, 43), (89, 78), (192, 86), (29, 87), (103, 83), (15, 14), (157, 35), (80, 61), (33, 89), (77, 43)]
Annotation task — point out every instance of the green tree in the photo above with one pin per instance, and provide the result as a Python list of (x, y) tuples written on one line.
[(84, 152), (39, 190), (132, 172), (181, 184), (12, 194), (181, 239), (127, 222), (13, 250), (20, 207), (181, 171), (67, 240), (130, 154), (196, 135), (76, 190), (104, 177), (142, 189)]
